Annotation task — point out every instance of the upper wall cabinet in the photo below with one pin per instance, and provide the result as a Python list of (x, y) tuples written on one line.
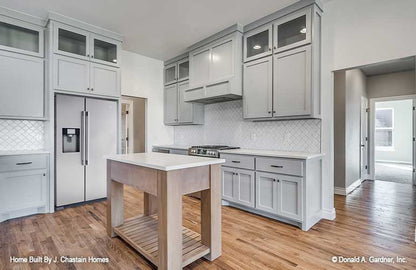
[(79, 43), (293, 30), (177, 71), (21, 37), (284, 82), (215, 69)]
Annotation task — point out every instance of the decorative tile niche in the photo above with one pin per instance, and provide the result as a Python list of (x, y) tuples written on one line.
[(21, 135), (224, 124)]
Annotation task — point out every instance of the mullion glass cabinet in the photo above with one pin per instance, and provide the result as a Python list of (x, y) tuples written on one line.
[(258, 43), (78, 43), (293, 30), (176, 72), (21, 37)]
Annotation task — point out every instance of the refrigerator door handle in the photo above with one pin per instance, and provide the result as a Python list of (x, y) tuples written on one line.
[(82, 138), (87, 135)]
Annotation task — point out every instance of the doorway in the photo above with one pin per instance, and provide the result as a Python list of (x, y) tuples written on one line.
[(133, 125), (393, 132)]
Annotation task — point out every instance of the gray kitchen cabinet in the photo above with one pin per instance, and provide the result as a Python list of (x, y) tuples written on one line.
[(66, 69), (179, 112), (104, 50), (258, 43), (293, 30), (292, 83), (21, 37), (258, 88), (289, 196), (293, 89), (104, 80), (284, 188), (215, 68), (238, 186), (22, 86), (266, 192), (23, 185), (91, 78), (228, 186), (176, 70), (170, 101)]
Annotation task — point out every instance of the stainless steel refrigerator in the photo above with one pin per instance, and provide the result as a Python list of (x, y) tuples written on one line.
[(85, 131)]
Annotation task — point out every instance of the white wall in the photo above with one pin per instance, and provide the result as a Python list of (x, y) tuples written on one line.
[(143, 77), (356, 33), (402, 132), (392, 84)]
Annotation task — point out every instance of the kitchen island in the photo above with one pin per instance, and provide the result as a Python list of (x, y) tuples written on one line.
[(158, 234)]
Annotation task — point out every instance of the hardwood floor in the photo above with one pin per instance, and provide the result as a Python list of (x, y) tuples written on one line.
[(377, 219)]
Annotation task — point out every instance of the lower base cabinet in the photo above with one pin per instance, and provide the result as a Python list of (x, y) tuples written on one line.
[(286, 189), (23, 186), (238, 186)]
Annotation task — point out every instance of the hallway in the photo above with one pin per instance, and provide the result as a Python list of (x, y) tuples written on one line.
[(394, 172)]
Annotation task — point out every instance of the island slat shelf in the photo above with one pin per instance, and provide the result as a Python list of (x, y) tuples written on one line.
[(142, 234)]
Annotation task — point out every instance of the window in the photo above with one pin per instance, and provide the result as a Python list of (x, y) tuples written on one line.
[(384, 128)]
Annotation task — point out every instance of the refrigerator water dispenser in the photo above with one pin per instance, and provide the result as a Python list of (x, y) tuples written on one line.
[(70, 140)]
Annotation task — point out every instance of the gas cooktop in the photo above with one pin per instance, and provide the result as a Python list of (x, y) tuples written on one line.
[(208, 150)]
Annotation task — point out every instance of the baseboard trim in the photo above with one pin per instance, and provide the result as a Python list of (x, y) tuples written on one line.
[(329, 214), (349, 189)]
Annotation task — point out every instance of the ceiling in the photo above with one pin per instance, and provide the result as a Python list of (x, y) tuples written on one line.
[(160, 29), (397, 65)]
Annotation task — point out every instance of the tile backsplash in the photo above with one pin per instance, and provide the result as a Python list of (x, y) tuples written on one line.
[(224, 124), (21, 135)]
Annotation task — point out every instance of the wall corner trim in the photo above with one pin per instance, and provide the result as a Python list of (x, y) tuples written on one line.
[(349, 189)]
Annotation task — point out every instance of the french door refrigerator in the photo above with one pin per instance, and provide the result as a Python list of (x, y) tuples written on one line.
[(85, 131)]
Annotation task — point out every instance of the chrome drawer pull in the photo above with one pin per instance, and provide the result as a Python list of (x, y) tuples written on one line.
[(235, 161), (276, 166), (24, 163)]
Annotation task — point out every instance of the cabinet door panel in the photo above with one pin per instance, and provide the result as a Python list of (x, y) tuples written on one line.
[(228, 185), (199, 67), (185, 109), (222, 61), (258, 43), (171, 104), (24, 189), (183, 70), (71, 41), (292, 83), (258, 83), (71, 74), (22, 86), (266, 192), (105, 80), (170, 74), (105, 50), (290, 197), (245, 187)]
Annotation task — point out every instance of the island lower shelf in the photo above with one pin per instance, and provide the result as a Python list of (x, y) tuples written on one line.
[(142, 234)]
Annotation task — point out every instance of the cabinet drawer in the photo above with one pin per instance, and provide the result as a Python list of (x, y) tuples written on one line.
[(280, 165), (238, 161), (22, 162)]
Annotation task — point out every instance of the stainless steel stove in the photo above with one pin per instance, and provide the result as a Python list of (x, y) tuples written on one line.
[(208, 150)]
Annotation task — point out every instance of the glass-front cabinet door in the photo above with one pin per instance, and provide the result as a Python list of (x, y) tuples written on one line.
[(183, 70), (170, 74), (71, 41), (104, 50), (258, 43), (293, 30), (21, 37)]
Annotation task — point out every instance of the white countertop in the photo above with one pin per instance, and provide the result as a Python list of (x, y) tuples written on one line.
[(22, 152), (271, 153), (173, 146), (165, 162)]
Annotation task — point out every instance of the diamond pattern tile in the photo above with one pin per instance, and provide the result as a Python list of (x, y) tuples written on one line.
[(21, 135), (224, 124)]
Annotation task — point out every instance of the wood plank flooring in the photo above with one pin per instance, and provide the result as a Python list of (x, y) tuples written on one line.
[(377, 219)]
